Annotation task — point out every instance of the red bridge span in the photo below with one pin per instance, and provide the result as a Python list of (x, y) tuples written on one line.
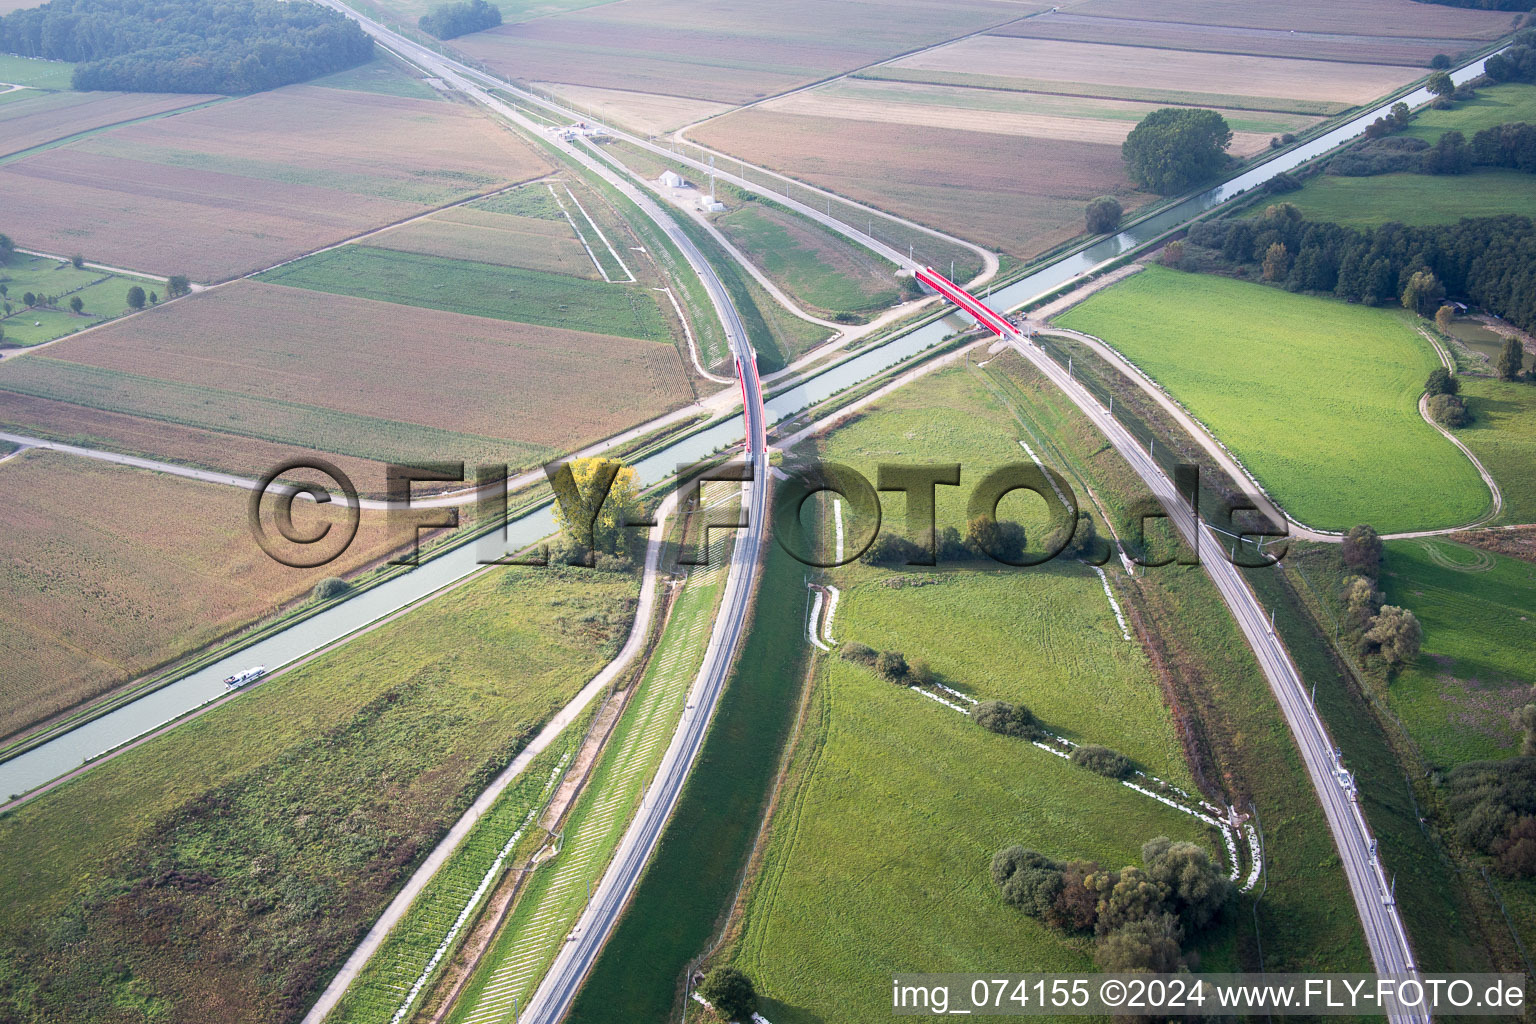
[(980, 311)]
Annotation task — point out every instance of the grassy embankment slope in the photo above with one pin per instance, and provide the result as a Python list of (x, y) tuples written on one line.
[(1318, 398), (227, 868)]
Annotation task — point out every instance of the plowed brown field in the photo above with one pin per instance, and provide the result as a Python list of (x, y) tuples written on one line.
[(231, 188)]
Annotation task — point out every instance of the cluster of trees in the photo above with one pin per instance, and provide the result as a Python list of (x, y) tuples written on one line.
[(1175, 148), (1139, 916), (1494, 806), (890, 665), (1491, 261), (228, 46), (984, 538), (594, 506), (1517, 63), (447, 21), (1385, 633), (1445, 401), (1510, 145)]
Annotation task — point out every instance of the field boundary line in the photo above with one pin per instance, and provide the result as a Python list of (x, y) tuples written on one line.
[(64, 140), (599, 232), (693, 346), (580, 237)]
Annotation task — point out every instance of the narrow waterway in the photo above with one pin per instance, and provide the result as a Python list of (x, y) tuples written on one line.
[(69, 750)]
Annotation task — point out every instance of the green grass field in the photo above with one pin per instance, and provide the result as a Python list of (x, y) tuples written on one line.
[(816, 268), (877, 862), (556, 894), (381, 75), (1317, 397), (1459, 700), (346, 772), (1500, 104), (386, 981), (479, 289), (1416, 198), (877, 858), (105, 296), (39, 74), (1503, 435)]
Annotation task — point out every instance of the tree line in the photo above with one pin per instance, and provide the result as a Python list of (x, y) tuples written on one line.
[(446, 21), (1490, 261), (227, 46)]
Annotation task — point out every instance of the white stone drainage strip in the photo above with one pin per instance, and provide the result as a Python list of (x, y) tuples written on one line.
[(1230, 834), (493, 873)]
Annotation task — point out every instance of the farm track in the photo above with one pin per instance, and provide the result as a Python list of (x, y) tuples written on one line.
[(552, 729)]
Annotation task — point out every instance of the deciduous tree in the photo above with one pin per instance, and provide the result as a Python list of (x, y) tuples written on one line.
[(135, 297), (1175, 148), (730, 992), (1511, 359), (1103, 214)]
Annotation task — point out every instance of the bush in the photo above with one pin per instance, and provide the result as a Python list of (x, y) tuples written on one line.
[(1380, 155), (1489, 800), (1008, 719), (859, 653), (892, 665), (1145, 944), (1103, 214), (919, 673), (1449, 411), (1440, 62), (730, 992), (986, 537), (1441, 381), (1283, 182), (448, 21), (1029, 879), (1395, 634), (331, 586), (1106, 762), (1362, 550), (1172, 254)]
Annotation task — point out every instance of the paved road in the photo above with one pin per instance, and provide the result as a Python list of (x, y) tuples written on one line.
[(560, 985), (444, 66), (547, 735), (1384, 932)]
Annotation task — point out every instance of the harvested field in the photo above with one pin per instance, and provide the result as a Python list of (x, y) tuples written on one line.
[(1021, 194), (464, 233), (347, 375), (1211, 74), (112, 571), (1216, 38), (167, 442), (1385, 17), (225, 190), (644, 112), (42, 117), (728, 51), (1070, 118), (480, 289)]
